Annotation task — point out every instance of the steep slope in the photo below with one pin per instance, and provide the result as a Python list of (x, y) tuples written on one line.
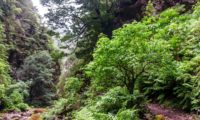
[(156, 59), (25, 46), (22, 30)]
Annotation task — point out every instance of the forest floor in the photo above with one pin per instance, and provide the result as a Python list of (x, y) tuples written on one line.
[(31, 114), (163, 113)]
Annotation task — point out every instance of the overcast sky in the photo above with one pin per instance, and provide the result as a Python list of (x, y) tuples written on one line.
[(41, 9)]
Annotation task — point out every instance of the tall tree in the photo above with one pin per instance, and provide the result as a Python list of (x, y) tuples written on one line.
[(88, 18), (37, 71)]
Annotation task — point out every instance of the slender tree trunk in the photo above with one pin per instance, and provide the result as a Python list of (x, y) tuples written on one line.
[(131, 85)]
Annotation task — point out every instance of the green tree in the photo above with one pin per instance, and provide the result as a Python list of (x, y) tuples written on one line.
[(129, 57), (38, 72)]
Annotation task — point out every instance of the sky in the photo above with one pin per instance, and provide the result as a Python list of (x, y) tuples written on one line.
[(41, 9)]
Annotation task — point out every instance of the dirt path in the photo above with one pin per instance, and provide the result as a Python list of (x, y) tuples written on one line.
[(32, 114), (170, 114)]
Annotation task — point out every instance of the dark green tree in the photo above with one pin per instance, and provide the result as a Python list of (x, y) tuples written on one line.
[(38, 72)]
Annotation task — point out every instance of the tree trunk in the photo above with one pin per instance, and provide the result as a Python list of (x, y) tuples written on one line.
[(131, 85)]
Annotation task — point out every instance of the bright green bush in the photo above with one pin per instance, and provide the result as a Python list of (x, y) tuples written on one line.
[(118, 98), (4, 103), (61, 108), (56, 54), (72, 85), (117, 103), (112, 101), (128, 114), (22, 106), (88, 114), (20, 86), (18, 100), (71, 101), (16, 97), (84, 114), (187, 89), (180, 81), (11, 99)]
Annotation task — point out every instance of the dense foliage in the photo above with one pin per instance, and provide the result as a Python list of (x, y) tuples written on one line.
[(4, 67), (22, 31), (181, 32), (21, 36), (137, 52), (37, 71), (159, 53), (86, 19), (156, 59), (11, 96), (128, 58)]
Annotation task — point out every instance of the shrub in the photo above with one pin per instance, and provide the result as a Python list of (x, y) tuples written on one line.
[(61, 108), (84, 114), (22, 106), (112, 101), (128, 114), (11, 100), (116, 103), (4, 103), (56, 54), (71, 101), (72, 85), (20, 86), (16, 97), (179, 81), (187, 89)]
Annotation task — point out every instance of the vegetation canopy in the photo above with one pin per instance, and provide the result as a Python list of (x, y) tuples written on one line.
[(117, 60)]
